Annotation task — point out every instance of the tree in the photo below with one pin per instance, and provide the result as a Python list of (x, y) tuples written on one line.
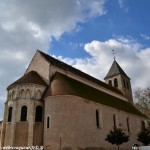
[(144, 136), (142, 97), (117, 136)]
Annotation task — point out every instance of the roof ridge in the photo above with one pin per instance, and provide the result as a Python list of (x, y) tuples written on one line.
[(78, 72)]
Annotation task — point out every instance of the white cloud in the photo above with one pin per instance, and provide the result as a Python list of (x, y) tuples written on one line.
[(122, 5), (129, 54), (29, 25), (146, 37)]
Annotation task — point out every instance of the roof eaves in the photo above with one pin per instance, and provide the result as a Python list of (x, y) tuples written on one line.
[(73, 70)]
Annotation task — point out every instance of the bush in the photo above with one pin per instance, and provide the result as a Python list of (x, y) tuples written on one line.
[(117, 136), (144, 136)]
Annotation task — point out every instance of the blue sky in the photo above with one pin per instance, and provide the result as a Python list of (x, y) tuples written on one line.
[(81, 33), (126, 18)]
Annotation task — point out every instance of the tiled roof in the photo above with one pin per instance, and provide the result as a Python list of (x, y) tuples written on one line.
[(115, 70), (82, 90), (31, 77), (75, 71)]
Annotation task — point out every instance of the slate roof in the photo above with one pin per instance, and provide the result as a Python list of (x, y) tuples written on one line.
[(85, 91), (30, 77), (115, 70), (75, 71)]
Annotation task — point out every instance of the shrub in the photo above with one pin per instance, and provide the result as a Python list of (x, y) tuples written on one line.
[(117, 136)]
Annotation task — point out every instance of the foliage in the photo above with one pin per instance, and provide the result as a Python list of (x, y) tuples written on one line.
[(144, 136), (117, 136), (142, 96)]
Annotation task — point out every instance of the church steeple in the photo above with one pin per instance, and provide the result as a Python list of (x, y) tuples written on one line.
[(115, 70), (117, 78)]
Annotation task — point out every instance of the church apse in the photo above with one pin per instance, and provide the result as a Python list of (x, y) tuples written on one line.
[(23, 116)]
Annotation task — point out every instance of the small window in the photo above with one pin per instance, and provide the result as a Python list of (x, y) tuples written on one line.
[(114, 120), (115, 82), (10, 114), (38, 114), (23, 116), (128, 125), (48, 122), (124, 83), (110, 82), (127, 85), (148, 124), (142, 125), (97, 119)]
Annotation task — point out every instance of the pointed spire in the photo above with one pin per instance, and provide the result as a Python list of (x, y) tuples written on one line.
[(115, 70)]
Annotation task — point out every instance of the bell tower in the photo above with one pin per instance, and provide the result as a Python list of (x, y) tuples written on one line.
[(117, 78)]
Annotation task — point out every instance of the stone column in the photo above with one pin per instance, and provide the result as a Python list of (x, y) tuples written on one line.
[(4, 126), (13, 124), (31, 122)]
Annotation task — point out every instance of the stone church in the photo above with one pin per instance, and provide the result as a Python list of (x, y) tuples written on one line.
[(61, 108)]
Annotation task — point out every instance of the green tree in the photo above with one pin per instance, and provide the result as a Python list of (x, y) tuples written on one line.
[(142, 98), (117, 136), (144, 136)]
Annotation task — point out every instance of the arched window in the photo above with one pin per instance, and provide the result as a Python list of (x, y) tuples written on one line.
[(114, 120), (38, 114), (48, 122), (115, 82), (142, 125), (22, 93), (110, 82), (148, 124), (23, 116), (97, 119), (124, 83), (127, 85), (10, 114), (28, 95), (128, 125)]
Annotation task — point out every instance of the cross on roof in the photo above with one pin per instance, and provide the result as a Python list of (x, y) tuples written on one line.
[(114, 54)]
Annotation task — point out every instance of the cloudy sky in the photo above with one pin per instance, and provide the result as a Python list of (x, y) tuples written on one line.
[(79, 32)]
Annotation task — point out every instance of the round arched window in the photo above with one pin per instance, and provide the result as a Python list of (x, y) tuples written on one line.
[(115, 82), (23, 116)]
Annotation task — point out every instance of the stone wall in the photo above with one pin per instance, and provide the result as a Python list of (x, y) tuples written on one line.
[(73, 123), (53, 69), (40, 65), (1, 125), (21, 134), (18, 132)]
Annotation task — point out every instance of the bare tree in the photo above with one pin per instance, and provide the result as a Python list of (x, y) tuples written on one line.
[(142, 97)]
